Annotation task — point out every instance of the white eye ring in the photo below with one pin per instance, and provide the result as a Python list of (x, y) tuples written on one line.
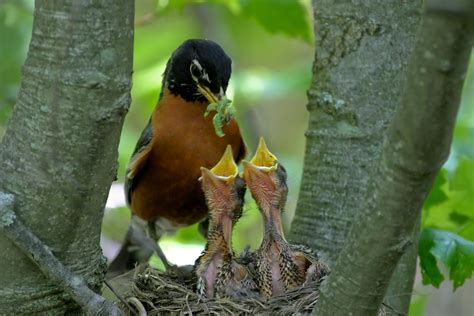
[(203, 74), (197, 64), (192, 67)]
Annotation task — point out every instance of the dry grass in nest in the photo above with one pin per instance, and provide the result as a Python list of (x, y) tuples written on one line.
[(155, 292)]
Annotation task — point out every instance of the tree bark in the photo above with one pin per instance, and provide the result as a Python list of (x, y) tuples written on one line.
[(59, 153), (415, 147), (361, 56), (399, 292), (361, 59)]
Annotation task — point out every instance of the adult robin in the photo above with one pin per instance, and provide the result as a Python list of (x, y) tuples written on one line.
[(280, 266), (217, 271), (161, 185)]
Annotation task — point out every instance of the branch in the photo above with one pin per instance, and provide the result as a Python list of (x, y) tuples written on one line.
[(361, 58), (59, 152), (399, 292), (51, 267), (415, 147)]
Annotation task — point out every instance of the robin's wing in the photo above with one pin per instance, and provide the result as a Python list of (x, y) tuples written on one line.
[(138, 160), (142, 149)]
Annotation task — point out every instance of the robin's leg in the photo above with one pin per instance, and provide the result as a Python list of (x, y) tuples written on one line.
[(155, 235), (183, 273), (140, 243)]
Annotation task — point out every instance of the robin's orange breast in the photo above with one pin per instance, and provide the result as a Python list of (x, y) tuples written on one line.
[(183, 141)]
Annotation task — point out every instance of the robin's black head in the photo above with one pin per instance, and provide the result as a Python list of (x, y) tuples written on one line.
[(198, 70)]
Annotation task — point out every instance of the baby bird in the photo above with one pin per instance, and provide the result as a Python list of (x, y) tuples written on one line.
[(280, 266), (218, 274)]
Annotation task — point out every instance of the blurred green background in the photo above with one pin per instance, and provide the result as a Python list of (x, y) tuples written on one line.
[(272, 54)]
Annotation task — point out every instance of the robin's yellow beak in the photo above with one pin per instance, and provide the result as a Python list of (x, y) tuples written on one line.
[(208, 94)]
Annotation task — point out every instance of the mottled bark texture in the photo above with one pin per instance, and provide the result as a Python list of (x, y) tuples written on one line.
[(38, 252), (415, 147), (361, 56), (59, 153), (399, 292)]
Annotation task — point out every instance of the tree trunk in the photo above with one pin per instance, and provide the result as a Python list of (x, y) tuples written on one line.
[(415, 147), (399, 292), (361, 57), (59, 153)]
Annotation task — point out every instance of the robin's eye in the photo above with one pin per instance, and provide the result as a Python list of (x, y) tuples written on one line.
[(196, 70)]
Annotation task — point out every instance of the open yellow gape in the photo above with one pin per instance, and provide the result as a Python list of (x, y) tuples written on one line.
[(226, 168), (263, 158)]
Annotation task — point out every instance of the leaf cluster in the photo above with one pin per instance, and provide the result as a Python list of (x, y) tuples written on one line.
[(288, 17), (455, 252), (448, 227)]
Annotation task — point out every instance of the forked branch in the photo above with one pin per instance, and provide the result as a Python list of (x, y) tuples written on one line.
[(51, 267), (416, 145)]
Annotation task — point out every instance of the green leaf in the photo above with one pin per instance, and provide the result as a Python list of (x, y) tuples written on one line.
[(440, 215), (162, 6), (15, 32), (429, 269), (417, 305), (436, 195), (290, 17), (463, 182), (455, 252), (468, 231), (450, 204)]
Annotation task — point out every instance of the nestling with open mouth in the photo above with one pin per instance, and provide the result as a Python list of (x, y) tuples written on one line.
[(218, 273), (280, 266)]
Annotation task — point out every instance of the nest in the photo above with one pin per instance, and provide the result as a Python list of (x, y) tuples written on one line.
[(155, 292)]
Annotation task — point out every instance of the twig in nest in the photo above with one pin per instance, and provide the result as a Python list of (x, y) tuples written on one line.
[(132, 311), (138, 305), (165, 295)]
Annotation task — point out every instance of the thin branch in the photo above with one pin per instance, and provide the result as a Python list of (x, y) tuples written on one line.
[(121, 299), (415, 147), (400, 289), (51, 267)]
